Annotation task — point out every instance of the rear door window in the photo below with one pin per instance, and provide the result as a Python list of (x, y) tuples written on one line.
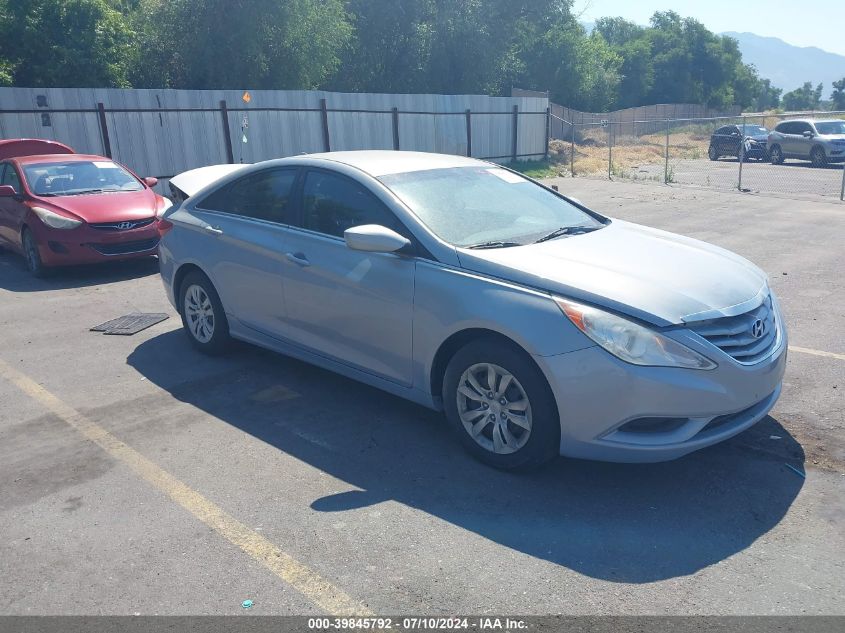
[(266, 195)]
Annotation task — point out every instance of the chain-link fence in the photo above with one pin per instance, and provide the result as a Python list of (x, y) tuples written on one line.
[(800, 154)]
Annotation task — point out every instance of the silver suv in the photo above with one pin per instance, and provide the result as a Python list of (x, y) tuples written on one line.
[(820, 142)]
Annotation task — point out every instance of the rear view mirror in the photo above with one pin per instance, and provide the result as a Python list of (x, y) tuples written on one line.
[(150, 181), (7, 191), (374, 238)]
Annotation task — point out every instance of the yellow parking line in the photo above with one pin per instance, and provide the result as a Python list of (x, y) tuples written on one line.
[(816, 352), (302, 578)]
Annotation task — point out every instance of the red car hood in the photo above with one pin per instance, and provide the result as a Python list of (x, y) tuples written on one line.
[(107, 207)]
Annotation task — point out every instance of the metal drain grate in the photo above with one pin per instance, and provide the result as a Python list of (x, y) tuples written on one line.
[(130, 324)]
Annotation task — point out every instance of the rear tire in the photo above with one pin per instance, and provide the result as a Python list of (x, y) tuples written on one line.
[(32, 255), (203, 317), (818, 157), (712, 154), (524, 430), (776, 155)]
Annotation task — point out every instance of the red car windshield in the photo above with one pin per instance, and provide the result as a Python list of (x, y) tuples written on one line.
[(75, 178)]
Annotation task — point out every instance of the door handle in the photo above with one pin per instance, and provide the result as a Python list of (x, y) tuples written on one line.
[(298, 258), (213, 229)]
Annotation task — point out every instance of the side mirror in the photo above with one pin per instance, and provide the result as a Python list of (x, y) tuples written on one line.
[(575, 200), (7, 191), (150, 181), (374, 238), (808, 134)]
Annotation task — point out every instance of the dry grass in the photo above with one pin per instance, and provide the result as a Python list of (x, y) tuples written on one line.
[(629, 153)]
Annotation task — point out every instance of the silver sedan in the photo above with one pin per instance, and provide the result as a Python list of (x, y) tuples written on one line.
[(539, 327)]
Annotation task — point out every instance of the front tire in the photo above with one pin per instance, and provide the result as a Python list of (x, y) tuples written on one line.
[(818, 157), (32, 255), (500, 405), (203, 317), (712, 154), (776, 155)]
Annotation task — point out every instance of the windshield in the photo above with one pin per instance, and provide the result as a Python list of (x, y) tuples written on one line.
[(78, 177), (469, 206), (831, 127), (754, 130)]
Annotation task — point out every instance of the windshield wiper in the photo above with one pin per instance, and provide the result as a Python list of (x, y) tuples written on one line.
[(566, 230), (494, 244), (83, 192)]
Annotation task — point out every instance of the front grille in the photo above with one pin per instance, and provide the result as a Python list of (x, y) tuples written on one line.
[(736, 335), (126, 225), (124, 248)]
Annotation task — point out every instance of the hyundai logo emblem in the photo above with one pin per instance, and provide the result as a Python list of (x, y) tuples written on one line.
[(758, 328), (125, 225)]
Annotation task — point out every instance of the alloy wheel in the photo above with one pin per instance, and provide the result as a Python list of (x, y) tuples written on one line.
[(494, 408), (199, 313)]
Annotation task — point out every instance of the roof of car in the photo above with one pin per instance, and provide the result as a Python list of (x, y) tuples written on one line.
[(53, 158), (384, 162), (810, 121)]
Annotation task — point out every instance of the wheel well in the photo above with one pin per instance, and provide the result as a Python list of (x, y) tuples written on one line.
[(451, 345), (180, 275)]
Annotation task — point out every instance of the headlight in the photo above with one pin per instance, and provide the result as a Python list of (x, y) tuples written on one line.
[(54, 220), (629, 341), (165, 205)]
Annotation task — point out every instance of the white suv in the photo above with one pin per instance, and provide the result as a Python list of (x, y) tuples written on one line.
[(820, 142)]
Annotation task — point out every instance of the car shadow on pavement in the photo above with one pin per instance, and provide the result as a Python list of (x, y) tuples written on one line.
[(15, 277), (617, 522)]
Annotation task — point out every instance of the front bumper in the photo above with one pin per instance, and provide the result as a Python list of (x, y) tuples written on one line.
[(598, 395), (87, 245)]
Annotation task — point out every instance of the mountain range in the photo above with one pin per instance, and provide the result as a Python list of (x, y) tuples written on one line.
[(788, 66)]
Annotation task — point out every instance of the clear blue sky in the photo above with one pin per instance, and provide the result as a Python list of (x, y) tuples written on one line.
[(818, 23)]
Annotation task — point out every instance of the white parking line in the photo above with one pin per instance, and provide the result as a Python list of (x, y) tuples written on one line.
[(816, 352)]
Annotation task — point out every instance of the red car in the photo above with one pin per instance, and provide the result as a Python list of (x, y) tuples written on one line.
[(59, 208)]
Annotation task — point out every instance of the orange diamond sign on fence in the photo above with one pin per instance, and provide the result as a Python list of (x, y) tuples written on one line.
[(247, 97)]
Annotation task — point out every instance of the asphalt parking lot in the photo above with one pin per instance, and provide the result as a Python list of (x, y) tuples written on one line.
[(141, 477), (794, 178)]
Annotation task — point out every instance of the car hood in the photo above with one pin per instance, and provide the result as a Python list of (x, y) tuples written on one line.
[(106, 207), (649, 274), (759, 137)]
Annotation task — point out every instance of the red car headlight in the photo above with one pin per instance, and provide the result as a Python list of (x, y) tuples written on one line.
[(54, 220)]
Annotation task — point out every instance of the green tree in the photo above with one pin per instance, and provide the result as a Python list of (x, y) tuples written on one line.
[(66, 43), (838, 94), (636, 74), (804, 98), (390, 50), (292, 44), (768, 97)]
